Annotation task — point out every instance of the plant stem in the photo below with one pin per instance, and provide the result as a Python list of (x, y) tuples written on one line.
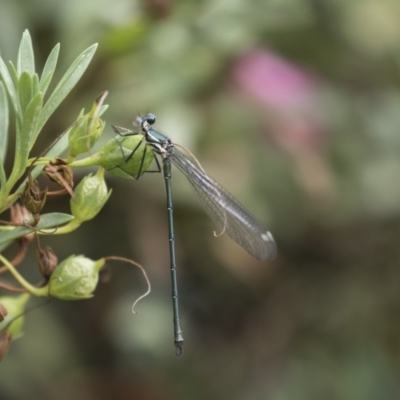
[(39, 292)]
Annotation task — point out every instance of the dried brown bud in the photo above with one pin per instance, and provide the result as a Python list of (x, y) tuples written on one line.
[(19, 215), (5, 343), (34, 198), (60, 172), (47, 261), (3, 312)]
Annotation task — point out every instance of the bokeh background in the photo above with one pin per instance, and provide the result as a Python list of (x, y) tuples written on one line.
[(294, 106)]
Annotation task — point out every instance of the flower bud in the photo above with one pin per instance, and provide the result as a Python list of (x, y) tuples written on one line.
[(75, 278), (20, 215), (90, 196), (34, 198), (15, 306), (117, 150), (87, 128), (5, 343), (47, 261), (3, 312), (112, 156), (12, 320), (60, 172)]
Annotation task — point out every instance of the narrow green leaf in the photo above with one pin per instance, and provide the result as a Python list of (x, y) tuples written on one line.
[(24, 137), (25, 90), (13, 73), (31, 118), (3, 176), (10, 87), (35, 84), (26, 59), (46, 221), (59, 147), (49, 69), (4, 121), (66, 84), (45, 82)]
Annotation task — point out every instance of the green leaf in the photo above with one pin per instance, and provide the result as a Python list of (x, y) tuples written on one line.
[(35, 84), (45, 82), (46, 221), (25, 90), (13, 72), (26, 59), (31, 118), (24, 137), (4, 121), (66, 84), (49, 69), (3, 176), (59, 147), (10, 87)]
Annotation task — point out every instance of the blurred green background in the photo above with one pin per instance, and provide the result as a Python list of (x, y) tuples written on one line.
[(294, 106)]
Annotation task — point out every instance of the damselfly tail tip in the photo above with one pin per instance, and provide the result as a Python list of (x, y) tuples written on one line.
[(179, 348)]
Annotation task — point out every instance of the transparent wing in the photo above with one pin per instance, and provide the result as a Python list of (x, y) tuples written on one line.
[(226, 212)]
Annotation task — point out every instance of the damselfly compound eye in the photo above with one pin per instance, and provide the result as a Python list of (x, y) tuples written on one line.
[(150, 118)]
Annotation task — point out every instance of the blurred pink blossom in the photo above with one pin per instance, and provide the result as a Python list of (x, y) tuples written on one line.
[(293, 114), (272, 80), (287, 92)]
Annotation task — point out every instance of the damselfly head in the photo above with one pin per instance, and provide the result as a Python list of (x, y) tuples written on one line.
[(148, 119)]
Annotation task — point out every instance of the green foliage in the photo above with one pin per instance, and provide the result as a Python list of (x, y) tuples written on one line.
[(21, 87), (3, 132), (26, 93), (47, 221)]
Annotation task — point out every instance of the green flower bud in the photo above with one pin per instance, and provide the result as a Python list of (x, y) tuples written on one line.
[(12, 320), (75, 278), (86, 130), (112, 156), (119, 149), (15, 306), (90, 196)]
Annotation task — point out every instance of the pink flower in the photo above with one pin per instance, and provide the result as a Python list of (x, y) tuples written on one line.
[(272, 80)]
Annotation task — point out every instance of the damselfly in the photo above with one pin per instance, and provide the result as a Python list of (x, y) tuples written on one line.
[(223, 209)]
